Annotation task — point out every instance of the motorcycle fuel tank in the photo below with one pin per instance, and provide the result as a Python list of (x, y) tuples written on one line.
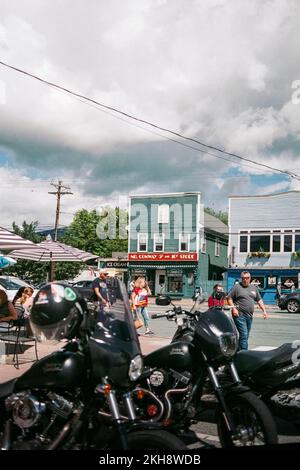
[(177, 355), (62, 369)]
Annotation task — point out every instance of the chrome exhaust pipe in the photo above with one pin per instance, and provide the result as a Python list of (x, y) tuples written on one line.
[(170, 392)]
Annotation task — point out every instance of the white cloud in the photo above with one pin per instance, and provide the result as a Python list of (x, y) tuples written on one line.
[(220, 71)]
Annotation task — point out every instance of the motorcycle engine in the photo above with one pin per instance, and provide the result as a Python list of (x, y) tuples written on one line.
[(162, 380), (36, 421), (159, 379), (26, 409)]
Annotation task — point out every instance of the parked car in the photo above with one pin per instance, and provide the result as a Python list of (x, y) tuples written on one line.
[(290, 302), (86, 289), (11, 285)]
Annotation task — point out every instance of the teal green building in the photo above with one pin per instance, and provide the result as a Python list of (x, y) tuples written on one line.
[(175, 244)]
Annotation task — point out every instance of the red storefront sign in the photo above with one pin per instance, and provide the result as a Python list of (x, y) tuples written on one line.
[(163, 256)]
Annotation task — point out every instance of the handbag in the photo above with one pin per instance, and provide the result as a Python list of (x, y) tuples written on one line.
[(138, 323)]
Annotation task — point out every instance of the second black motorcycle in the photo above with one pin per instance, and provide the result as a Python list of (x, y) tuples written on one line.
[(176, 377)]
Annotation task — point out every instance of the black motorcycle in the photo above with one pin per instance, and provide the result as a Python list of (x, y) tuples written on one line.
[(60, 402), (174, 382), (275, 376)]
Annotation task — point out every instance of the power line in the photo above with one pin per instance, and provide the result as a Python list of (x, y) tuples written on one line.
[(149, 123)]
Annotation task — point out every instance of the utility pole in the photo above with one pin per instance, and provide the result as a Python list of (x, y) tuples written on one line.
[(60, 191)]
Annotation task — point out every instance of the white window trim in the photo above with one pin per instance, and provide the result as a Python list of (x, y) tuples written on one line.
[(188, 242), (161, 213), (217, 247), (138, 247), (160, 235), (271, 232)]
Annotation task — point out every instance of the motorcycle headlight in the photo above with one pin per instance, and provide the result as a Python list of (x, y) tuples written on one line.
[(228, 344), (135, 368)]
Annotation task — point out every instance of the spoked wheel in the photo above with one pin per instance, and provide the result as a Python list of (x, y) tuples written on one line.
[(154, 440), (254, 422)]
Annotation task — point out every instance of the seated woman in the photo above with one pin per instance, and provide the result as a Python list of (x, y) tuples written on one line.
[(23, 299), (217, 298), (7, 310)]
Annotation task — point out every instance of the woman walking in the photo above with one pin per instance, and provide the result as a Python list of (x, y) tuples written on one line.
[(139, 300)]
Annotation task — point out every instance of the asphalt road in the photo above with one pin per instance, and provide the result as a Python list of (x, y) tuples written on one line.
[(279, 328)]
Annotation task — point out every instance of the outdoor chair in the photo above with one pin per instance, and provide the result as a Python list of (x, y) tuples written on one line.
[(15, 333)]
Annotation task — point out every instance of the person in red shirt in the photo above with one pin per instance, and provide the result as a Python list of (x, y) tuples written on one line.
[(217, 298)]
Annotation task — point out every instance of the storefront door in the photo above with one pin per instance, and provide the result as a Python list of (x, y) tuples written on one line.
[(160, 281)]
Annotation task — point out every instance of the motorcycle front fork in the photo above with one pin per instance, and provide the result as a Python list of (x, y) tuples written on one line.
[(115, 412), (227, 415)]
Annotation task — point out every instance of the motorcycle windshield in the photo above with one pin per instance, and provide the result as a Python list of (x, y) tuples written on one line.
[(217, 321), (114, 342), (216, 335)]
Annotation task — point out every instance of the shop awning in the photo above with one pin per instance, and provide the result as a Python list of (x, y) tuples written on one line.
[(162, 266)]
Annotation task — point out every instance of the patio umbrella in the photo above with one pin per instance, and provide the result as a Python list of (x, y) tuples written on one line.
[(50, 251), (11, 241)]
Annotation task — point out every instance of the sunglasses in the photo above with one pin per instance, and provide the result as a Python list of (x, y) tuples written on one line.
[(246, 277)]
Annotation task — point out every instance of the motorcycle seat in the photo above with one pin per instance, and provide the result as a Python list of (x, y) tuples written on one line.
[(7, 388), (249, 361)]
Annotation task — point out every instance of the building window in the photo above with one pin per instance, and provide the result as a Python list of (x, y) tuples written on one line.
[(297, 242), (217, 247), (175, 284), (243, 243), (142, 242), (289, 282), (276, 244), (260, 242), (271, 281), (184, 242), (288, 243), (258, 281), (163, 214), (275, 241), (158, 242)]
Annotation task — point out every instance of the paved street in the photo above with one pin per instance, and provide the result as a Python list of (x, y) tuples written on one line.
[(279, 328)]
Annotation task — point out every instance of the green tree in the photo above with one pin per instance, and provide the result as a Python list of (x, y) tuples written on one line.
[(86, 228), (33, 271), (83, 233)]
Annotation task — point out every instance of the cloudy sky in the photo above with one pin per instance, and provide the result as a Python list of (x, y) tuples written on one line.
[(220, 71)]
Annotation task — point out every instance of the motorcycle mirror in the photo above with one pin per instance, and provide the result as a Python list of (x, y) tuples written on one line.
[(163, 300)]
